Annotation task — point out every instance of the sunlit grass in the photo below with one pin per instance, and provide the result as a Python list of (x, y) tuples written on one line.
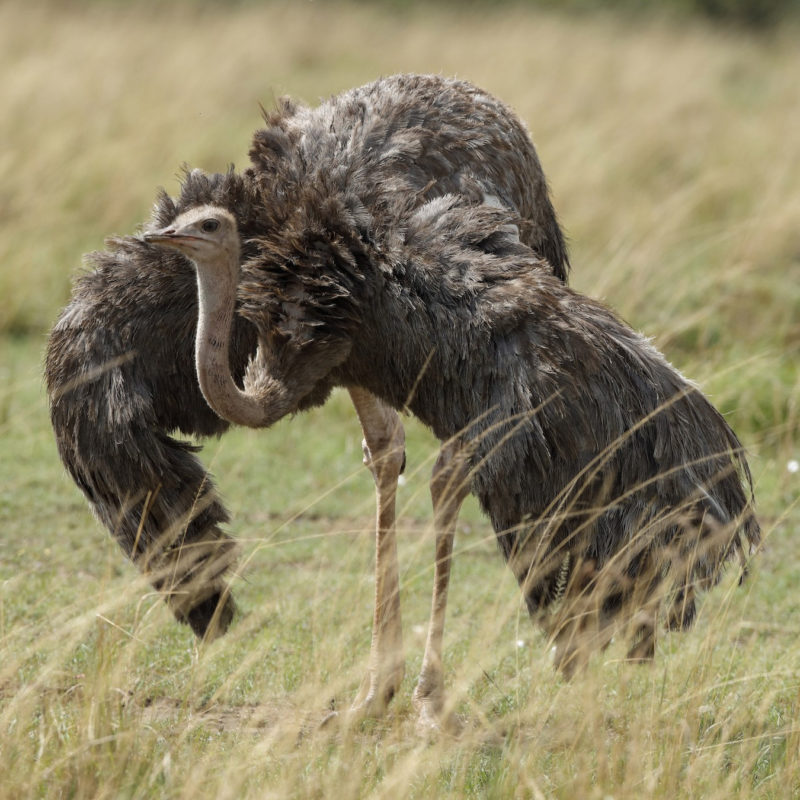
[(674, 159)]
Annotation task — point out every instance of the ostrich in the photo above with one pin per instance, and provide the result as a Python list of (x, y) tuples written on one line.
[(611, 482), (120, 368)]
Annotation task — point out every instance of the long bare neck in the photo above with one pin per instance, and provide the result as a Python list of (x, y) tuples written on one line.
[(216, 285)]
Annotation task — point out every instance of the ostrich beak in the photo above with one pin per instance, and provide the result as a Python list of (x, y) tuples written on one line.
[(163, 236), (169, 237)]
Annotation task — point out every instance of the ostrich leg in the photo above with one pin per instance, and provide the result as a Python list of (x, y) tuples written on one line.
[(384, 456), (449, 487)]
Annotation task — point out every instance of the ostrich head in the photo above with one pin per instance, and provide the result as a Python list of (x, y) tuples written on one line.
[(207, 235)]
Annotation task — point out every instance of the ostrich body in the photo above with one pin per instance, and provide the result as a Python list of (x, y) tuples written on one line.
[(121, 370), (611, 481)]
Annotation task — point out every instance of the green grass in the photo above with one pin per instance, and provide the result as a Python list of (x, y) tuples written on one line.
[(674, 160)]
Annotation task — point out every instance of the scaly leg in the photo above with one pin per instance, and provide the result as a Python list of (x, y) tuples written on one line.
[(449, 487), (384, 455)]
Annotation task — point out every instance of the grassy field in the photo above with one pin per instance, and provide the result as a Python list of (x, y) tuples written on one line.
[(673, 153)]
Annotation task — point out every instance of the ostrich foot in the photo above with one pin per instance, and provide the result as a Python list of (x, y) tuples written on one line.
[(433, 718), (432, 722), (376, 692)]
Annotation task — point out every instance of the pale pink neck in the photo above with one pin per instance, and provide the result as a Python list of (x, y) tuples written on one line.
[(217, 298)]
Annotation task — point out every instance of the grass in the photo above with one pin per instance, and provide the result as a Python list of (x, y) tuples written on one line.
[(674, 160)]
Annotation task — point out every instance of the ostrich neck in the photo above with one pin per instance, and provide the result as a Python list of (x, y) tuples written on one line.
[(217, 298)]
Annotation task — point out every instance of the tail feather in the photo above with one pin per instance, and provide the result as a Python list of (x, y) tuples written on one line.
[(633, 533)]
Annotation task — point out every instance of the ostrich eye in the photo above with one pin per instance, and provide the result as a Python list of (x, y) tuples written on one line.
[(209, 225)]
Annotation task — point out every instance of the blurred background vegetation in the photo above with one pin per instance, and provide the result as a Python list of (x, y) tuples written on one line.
[(748, 13)]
